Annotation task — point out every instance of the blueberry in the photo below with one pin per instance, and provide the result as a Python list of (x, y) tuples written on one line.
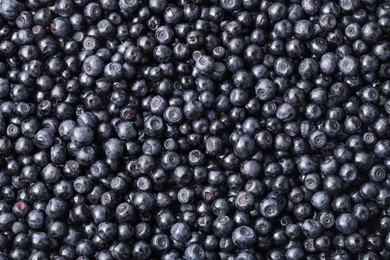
[(39, 240), (43, 139), (346, 223), (144, 201), (328, 63), (56, 208), (113, 148), (60, 27), (35, 219), (194, 251), (67, 251), (243, 237), (321, 200), (93, 65), (180, 232), (270, 208), (164, 35), (371, 32), (309, 68), (223, 226), (230, 5), (128, 6), (93, 11), (311, 228), (57, 229), (354, 242), (85, 156), (244, 147), (10, 9), (84, 248), (126, 131), (7, 220), (160, 243), (154, 126), (348, 65)]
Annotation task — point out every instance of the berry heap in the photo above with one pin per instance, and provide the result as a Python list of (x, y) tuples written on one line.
[(194, 129)]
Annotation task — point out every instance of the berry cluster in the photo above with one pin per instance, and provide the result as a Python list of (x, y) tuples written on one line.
[(194, 129)]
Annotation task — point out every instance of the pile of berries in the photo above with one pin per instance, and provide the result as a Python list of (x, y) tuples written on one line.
[(194, 129)]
